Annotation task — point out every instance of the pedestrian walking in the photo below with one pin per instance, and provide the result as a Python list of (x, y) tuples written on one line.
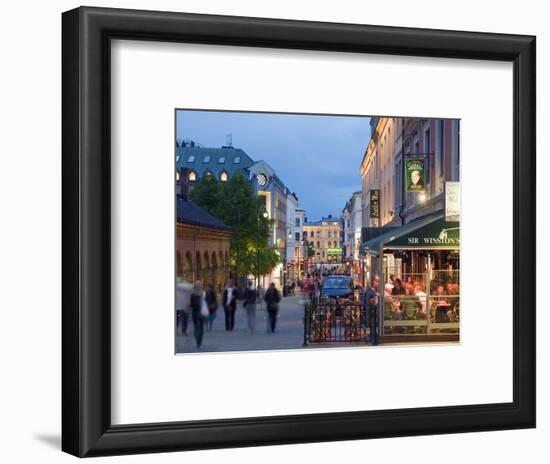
[(197, 312), (212, 302), (250, 297), (229, 302), (183, 303), (272, 298), (372, 302)]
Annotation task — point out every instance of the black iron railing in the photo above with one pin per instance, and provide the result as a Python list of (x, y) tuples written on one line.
[(335, 321)]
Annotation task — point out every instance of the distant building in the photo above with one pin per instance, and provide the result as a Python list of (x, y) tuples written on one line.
[(326, 237), (193, 161), (352, 219), (291, 252)]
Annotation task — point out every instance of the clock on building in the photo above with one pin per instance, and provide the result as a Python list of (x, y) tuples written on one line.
[(261, 179)]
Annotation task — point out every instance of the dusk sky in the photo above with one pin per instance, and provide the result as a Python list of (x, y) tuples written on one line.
[(317, 157)]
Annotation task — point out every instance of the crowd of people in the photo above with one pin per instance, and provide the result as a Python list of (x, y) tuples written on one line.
[(200, 305), (409, 299)]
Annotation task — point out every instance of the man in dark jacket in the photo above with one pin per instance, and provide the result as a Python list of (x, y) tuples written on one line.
[(250, 296), (272, 298), (229, 302)]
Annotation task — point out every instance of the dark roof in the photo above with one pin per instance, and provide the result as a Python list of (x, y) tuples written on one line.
[(190, 213), (213, 165)]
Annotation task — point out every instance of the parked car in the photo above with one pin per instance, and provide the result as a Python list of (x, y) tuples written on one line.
[(337, 286)]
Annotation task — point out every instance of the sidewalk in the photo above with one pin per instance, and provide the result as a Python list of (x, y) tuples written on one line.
[(289, 333)]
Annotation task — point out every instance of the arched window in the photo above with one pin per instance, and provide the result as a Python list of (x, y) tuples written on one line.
[(192, 176), (188, 267), (223, 176), (177, 176), (318, 244), (179, 264)]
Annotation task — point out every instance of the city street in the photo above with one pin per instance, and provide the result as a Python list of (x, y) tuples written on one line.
[(289, 333)]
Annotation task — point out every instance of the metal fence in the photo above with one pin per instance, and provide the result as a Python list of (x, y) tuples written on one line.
[(335, 322)]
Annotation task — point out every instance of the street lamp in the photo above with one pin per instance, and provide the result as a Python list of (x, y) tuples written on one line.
[(265, 216)]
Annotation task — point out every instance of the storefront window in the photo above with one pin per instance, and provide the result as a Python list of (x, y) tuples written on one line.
[(423, 303)]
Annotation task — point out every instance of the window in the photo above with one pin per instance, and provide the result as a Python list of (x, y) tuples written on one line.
[(177, 176), (319, 245), (297, 222), (297, 236), (177, 158), (223, 177), (206, 159), (191, 159), (305, 234), (236, 160), (192, 176), (441, 147), (221, 160)]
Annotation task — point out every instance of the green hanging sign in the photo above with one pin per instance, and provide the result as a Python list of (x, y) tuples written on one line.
[(415, 180)]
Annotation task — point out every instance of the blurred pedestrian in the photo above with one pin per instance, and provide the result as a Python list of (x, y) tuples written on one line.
[(229, 302), (373, 295), (183, 303), (272, 298), (197, 314), (250, 297), (212, 302)]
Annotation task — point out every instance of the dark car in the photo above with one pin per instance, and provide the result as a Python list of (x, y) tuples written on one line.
[(337, 286)]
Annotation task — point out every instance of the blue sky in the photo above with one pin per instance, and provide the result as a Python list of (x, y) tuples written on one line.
[(317, 157)]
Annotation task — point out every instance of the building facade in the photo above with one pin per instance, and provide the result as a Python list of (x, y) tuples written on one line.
[(405, 231), (202, 246), (326, 237), (193, 161)]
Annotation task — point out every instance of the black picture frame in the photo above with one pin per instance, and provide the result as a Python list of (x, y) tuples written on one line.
[(86, 287)]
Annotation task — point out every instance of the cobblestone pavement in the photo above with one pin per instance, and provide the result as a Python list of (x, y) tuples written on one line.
[(289, 333)]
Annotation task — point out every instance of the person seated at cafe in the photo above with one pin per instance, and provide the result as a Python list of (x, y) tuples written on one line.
[(422, 298), (398, 288), (442, 305)]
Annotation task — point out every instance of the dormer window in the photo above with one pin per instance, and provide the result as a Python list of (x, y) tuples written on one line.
[(221, 160), (236, 160), (206, 159)]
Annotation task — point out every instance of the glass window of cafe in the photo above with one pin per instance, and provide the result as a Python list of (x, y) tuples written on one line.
[(421, 292)]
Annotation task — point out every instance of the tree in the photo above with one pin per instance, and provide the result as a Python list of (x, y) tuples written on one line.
[(310, 249), (235, 203)]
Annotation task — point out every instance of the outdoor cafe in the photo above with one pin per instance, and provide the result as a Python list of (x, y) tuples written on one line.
[(418, 265)]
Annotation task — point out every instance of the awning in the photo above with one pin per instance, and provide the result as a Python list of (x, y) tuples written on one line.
[(429, 233)]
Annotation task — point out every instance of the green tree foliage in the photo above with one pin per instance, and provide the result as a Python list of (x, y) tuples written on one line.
[(310, 249), (235, 203)]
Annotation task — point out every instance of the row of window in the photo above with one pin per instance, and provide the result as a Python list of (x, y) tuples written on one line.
[(331, 234), (329, 244), (192, 176), (206, 159)]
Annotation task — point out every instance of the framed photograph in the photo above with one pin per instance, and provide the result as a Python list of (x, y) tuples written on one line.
[(284, 231)]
